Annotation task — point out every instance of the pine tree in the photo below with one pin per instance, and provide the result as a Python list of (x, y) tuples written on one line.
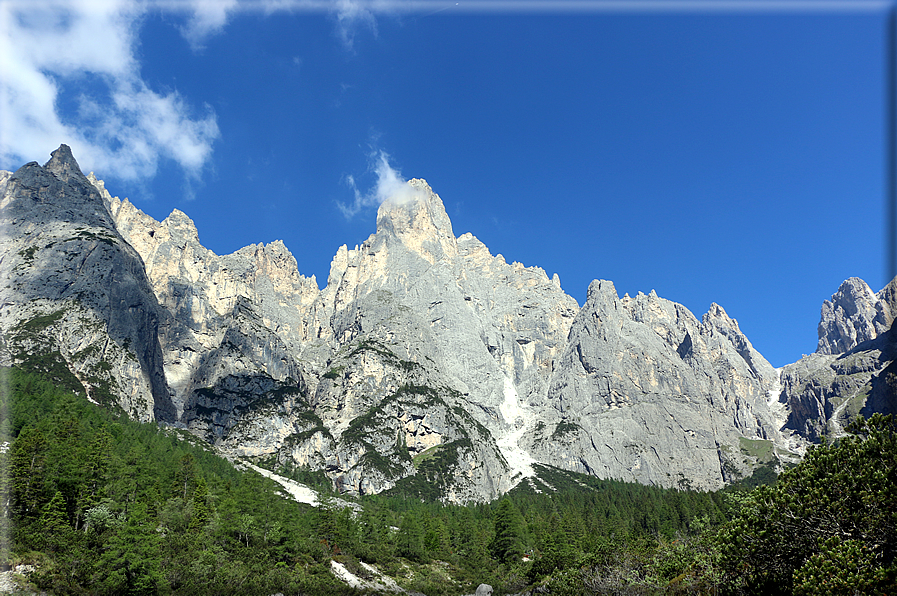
[(410, 540), (26, 469), (54, 523), (509, 543), (130, 563), (837, 507), (201, 509)]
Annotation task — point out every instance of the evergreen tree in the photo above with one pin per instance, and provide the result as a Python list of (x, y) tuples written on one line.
[(410, 540), (837, 510), (54, 523), (130, 563), (201, 510), (509, 542), (27, 471)]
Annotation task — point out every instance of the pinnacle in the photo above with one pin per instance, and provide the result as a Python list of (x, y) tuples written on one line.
[(415, 210), (63, 163)]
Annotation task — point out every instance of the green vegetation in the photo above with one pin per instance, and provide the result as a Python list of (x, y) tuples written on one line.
[(423, 456), (758, 448), (104, 236), (563, 428), (829, 525), (27, 254), (39, 323), (104, 505), (334, 373)]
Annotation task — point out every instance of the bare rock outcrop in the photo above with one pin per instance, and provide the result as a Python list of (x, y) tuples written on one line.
[(76, 302), (426, 364), (855, 315), (646, 392), (852, 372)]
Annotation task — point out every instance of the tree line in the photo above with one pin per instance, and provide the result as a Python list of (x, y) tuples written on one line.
[(105, 505)]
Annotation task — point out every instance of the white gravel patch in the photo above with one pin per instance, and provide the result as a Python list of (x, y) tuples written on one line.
[(519, 417), (382, 584), (299, 492)]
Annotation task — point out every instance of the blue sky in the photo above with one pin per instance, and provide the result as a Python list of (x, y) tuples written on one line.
[(728, 152)]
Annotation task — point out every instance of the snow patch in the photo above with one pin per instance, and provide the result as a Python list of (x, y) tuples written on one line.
[(778, 409)]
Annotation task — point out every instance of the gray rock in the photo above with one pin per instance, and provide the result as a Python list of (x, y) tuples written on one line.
[(645, 392), (76, 292), (484, 590), (425, 361), (855, 315), (825, 391)]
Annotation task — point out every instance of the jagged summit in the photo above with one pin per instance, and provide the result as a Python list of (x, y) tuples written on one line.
[(63, 163), (415, 215), (855, 314), (64, 259), (425, 361), (417, 210)]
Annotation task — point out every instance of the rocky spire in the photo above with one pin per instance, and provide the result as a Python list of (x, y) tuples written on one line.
[(416, 216), (63, 164), (852, 316)]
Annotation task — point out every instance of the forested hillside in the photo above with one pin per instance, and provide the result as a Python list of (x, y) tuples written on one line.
[(101, 504)]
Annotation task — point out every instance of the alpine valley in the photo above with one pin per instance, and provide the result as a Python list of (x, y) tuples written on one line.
[(425, 361)]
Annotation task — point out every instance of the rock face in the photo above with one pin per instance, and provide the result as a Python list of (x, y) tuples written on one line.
[(646, 391), (855, 315), (76, 302), (426, 364), (852, 371)]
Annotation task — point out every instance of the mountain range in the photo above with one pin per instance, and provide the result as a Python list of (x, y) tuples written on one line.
[(425, 364)]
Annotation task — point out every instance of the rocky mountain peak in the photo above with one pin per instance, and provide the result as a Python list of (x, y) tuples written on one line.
[(603, 295), (850, 317), (717, 316), (416, 216), (63, 164), (886, 305), (179, 224), (420, 343)]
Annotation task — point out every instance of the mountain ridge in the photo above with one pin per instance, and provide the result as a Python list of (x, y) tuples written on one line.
[(425, 352)]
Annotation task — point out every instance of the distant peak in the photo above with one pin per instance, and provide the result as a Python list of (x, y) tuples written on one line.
[(178, 220), (415, 210), (63, 164)]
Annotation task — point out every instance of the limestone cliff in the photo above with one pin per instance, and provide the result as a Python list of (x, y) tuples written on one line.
[(426, 364), (852, 371), (855, 315), (645, 391), (76, 302)]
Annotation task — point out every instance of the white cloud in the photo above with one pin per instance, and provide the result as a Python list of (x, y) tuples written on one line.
[(207, 18), (390, 187), (350, 15), (120, 126), (52, 50)]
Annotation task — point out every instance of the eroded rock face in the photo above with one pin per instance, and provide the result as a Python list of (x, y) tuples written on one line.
[(425, 364), (474, 324), (645, 391), (852, 371), (75, 293), (255, 297), (855, 315)]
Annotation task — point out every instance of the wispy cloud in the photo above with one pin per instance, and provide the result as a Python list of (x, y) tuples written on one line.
[(83, 53), (350, 16), (389, 187), (207, 18)]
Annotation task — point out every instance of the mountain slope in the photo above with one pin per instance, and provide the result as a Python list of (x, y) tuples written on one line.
[(76, 300), (424, 359)]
